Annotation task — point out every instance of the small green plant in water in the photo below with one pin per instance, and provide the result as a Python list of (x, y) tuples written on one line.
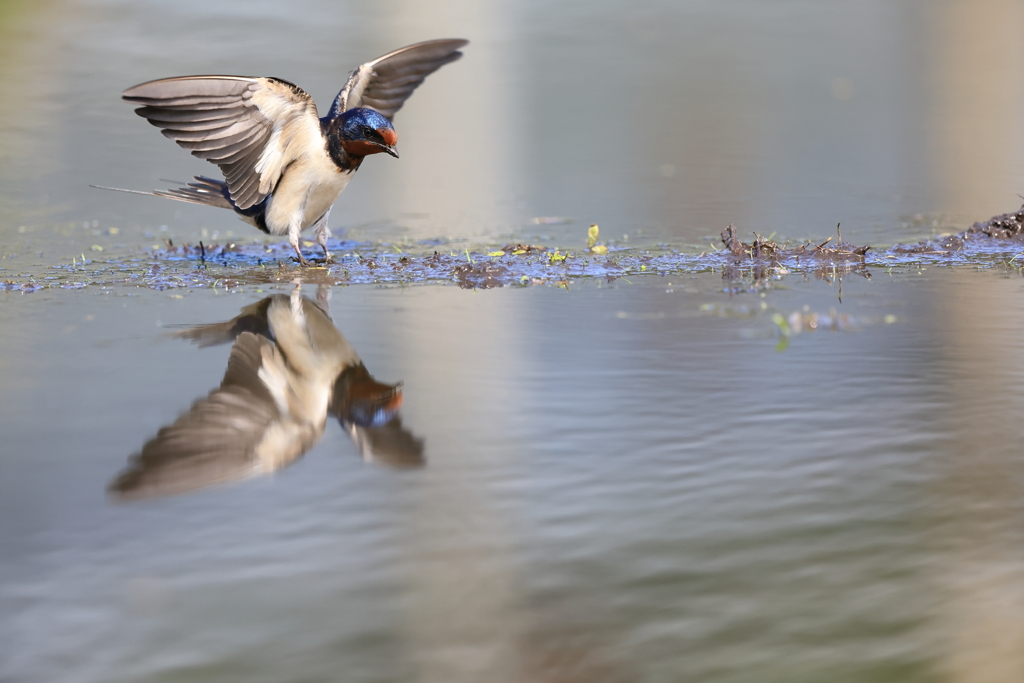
[(785, 331)]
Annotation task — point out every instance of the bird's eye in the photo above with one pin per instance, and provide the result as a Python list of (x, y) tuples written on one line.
[(369, 132)]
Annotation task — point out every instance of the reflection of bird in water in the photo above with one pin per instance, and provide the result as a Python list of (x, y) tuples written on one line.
[(283, 166), (289, 369), (368, 411)]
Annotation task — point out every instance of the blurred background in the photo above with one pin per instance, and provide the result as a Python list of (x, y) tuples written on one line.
[(624, 481), (669, 118)]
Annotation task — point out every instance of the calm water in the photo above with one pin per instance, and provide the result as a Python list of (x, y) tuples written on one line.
[(640, 480)]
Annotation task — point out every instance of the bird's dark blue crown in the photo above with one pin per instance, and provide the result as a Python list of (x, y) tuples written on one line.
[(355, 123)]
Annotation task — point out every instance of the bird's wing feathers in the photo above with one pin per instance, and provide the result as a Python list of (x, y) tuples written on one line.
[(216, 441), (252, 128), (253, 318), (387, 82)]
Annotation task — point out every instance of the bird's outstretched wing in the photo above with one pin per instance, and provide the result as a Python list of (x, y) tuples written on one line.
[(252, 128), (386, 83), (216, 441)]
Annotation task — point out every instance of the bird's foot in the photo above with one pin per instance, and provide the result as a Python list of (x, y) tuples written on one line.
[(318, 263)]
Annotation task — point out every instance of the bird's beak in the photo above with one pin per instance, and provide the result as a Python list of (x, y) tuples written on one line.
[(390, 149)]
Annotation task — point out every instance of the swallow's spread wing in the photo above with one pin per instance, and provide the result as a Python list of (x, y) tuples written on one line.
[(386, 83), (217, 440), (252, 128)]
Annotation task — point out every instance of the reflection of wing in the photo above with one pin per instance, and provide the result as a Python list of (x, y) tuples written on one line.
[(233, 433), (252, 128), (387, 82), (390, 444), (253, 318)]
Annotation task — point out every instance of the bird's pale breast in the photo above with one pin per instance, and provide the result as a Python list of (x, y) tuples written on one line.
[(308, 187)]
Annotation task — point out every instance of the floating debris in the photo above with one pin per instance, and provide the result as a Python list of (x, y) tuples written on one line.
[(998, 242), (26, 287), (762, 261), (520, 249), (481, 275), (767, 249), (1005, 226), (593, 234)]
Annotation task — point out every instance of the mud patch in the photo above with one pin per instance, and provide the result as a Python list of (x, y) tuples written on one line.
[(743, 265)]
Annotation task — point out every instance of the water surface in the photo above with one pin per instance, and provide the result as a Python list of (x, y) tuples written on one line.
[(643, 479)]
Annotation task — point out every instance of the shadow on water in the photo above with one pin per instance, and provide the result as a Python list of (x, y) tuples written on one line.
[(290, 369)]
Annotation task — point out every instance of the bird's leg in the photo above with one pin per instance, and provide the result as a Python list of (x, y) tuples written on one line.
[(293, 239), (295, 302), (323, 296), (322, 234)]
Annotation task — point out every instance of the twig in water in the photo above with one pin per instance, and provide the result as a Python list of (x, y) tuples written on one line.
[(822, 244)]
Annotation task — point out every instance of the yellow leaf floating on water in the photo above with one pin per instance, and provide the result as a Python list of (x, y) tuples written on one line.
[(592, 236), (496, 253), (519, 251), (95, 247)]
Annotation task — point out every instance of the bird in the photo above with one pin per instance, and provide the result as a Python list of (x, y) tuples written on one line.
[(283, 165), (289, 369)]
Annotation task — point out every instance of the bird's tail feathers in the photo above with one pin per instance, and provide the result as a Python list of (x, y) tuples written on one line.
[(206, 191)]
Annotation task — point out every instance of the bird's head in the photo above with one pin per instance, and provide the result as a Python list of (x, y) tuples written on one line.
[(366, 131)]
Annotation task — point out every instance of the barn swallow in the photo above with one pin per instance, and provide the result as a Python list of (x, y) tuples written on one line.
[(284, 167), (290, 369)]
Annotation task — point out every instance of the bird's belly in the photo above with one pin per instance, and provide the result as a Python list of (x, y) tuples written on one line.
[(306, 190), (322, 196)]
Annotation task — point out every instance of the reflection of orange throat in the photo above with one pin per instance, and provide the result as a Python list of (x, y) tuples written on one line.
[(370, 392), (356, 390)]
